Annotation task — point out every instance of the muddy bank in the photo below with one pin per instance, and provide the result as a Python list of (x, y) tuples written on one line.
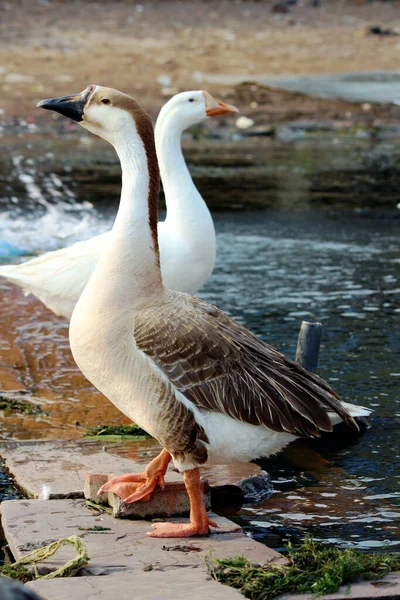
[(267, 104), (154, 49)]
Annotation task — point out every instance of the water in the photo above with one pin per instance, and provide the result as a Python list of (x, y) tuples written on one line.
[(7, 489), (368, 86), (343, 270), (40, 211), (275, 267)]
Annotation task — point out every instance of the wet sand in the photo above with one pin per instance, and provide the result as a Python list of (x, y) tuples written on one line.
[(37, 365)]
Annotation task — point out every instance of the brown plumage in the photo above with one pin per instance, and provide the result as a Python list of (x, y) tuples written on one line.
[(221, 366), (174, 425), (145, 130)]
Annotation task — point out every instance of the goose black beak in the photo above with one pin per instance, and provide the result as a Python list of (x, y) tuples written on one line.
[(69, 106)]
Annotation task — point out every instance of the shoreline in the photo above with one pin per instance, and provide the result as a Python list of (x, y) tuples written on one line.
[(156, 49)]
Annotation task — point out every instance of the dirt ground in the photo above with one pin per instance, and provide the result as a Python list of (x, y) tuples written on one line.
[(157, 48)]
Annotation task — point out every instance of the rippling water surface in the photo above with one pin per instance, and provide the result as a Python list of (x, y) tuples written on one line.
[(342, 270), (274, 269)]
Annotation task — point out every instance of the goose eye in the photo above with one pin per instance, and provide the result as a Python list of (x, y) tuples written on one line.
[(191, 99), (105, 101)]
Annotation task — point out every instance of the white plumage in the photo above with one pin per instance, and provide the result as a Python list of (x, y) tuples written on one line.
[(186, 237)]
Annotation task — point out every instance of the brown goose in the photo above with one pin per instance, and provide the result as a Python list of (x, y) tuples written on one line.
[(204, 386)]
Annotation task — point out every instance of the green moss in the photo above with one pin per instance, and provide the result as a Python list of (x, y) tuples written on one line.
[(98, 508), (11, 405), (312, 568), (116, 430), (20, 573), (95, 529)]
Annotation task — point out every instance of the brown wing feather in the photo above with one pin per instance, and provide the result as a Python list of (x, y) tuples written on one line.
[(221, 366)]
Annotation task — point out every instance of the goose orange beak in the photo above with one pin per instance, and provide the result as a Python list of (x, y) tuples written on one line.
[(216, 107)]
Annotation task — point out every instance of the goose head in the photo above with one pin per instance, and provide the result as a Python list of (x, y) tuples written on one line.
[(120, 120), (108, 113), (189, 108)]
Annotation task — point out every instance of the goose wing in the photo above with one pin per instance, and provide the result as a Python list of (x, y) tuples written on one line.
[(59, 277), (221, 366)]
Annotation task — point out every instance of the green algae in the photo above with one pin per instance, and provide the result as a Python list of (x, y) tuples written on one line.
[(11, 405), (95, 529), (312, 568), (131, 430), (98, 508), (19, 572)]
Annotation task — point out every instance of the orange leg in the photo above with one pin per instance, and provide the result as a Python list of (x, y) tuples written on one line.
[(138, 486), (199, 521)]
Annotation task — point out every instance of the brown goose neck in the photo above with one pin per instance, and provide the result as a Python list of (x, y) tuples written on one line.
[(145, 130)]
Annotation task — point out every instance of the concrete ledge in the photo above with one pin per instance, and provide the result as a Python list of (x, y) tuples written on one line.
[(118, 549), (116, 545), (61, 467), (185, 584), (190, 583)]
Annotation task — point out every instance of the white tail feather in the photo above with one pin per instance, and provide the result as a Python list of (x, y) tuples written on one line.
[(353, 410)]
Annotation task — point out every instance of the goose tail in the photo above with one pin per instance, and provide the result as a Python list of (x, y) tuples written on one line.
[(353, 410)]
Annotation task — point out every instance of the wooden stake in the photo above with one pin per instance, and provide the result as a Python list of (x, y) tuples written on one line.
[(308, 345)]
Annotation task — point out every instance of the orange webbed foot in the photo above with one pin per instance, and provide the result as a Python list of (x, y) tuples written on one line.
[(132, 487), (199, 521), (173, 530)]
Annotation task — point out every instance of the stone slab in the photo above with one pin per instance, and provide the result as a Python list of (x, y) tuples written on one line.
[(151, 585), (172, 500), (61, 465), (387, 588), (93, 483), (191, 583), (124, 547)]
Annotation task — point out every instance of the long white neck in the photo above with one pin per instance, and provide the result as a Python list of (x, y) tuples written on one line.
[(128, 270), (186, 209)]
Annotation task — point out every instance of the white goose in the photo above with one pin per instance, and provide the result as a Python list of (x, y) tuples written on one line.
[(186, 237), (196, 380)]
